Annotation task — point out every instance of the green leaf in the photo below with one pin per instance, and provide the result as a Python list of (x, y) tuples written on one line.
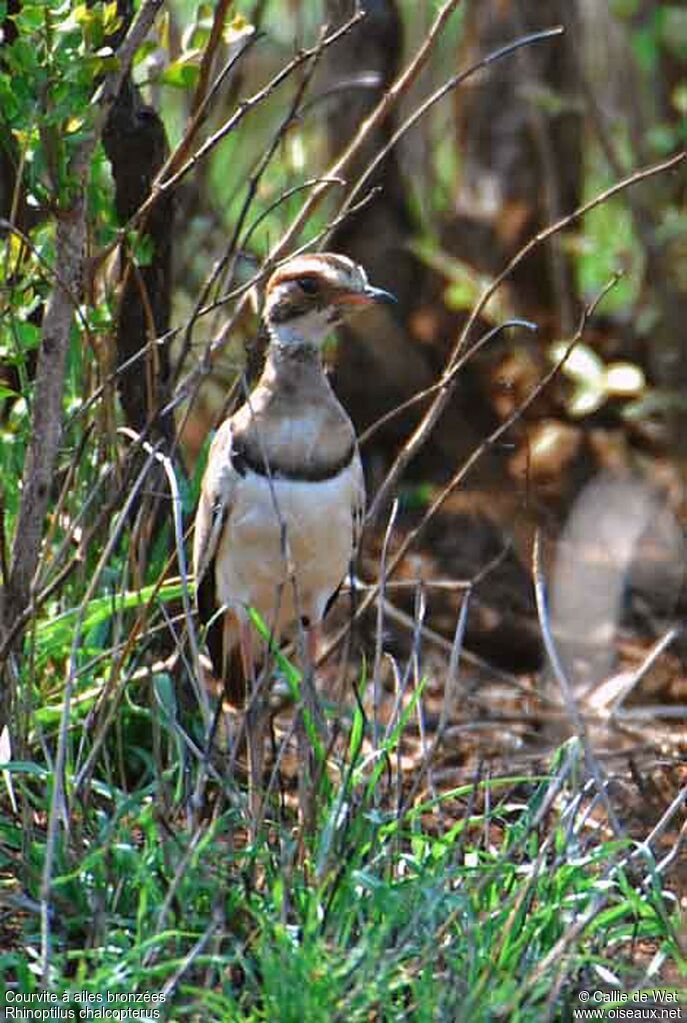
[(390, 744), (144, 51), (356, 737), (661, 138), (102, 63), (291, 673), (679, 98), (30, 18), (166, 695), (56, 631), (111, 19), (182, 73), (142, 248), (293, 678), (26, 767), (197, 33), (645, 46), (8, 100), (28, 334)]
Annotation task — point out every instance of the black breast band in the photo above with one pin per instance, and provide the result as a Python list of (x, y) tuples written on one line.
[(243, 459)]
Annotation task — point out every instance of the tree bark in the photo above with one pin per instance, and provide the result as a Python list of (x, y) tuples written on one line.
[(135, 143), (46, 427)]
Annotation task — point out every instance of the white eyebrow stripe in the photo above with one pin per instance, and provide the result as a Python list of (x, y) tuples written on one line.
[(335, 269)]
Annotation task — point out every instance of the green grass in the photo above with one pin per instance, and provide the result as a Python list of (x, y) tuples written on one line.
[(464, 907)]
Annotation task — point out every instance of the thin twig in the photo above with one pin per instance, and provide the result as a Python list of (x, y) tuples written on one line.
[(177, 514), (189, 959), (450, 690), (230, 255), (338, 168), (390, 98), (200, 94), (445, 379), (379, 631)]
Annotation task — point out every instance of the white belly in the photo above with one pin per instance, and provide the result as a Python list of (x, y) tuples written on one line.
[(282, 532)]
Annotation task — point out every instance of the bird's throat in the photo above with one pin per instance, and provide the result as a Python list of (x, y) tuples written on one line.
[(295, 354)]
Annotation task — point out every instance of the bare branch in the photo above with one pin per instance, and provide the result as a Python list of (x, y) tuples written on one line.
[(390, 98), (169, 176), (207, 60)]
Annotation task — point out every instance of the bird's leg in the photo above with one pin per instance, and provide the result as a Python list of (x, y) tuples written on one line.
[(255, 726), (313, 642), (247, 656)]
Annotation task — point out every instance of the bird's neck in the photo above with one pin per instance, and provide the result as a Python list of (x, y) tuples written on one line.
[(293, 363), (291, 345), (304, 333)]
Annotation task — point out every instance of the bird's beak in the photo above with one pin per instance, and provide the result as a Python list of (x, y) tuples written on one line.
[(379, 296), (370, 296)]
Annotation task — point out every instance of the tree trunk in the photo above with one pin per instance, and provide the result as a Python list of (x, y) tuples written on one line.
[(520, 141), (136, 145)]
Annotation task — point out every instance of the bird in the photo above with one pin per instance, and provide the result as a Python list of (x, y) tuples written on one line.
[(283, 495)]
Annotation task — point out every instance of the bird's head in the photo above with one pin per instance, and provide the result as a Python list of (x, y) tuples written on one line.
[(309, 295)]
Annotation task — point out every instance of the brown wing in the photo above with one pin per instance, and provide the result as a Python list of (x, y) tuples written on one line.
[(208, 607), (214, 508)]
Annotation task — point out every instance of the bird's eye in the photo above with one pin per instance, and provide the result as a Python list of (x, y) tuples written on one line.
[(308, 284)]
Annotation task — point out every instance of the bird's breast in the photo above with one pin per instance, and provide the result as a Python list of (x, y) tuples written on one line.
[(281, 529)]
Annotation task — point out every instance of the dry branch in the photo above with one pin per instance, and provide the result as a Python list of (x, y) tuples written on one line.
[(390, 98)]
